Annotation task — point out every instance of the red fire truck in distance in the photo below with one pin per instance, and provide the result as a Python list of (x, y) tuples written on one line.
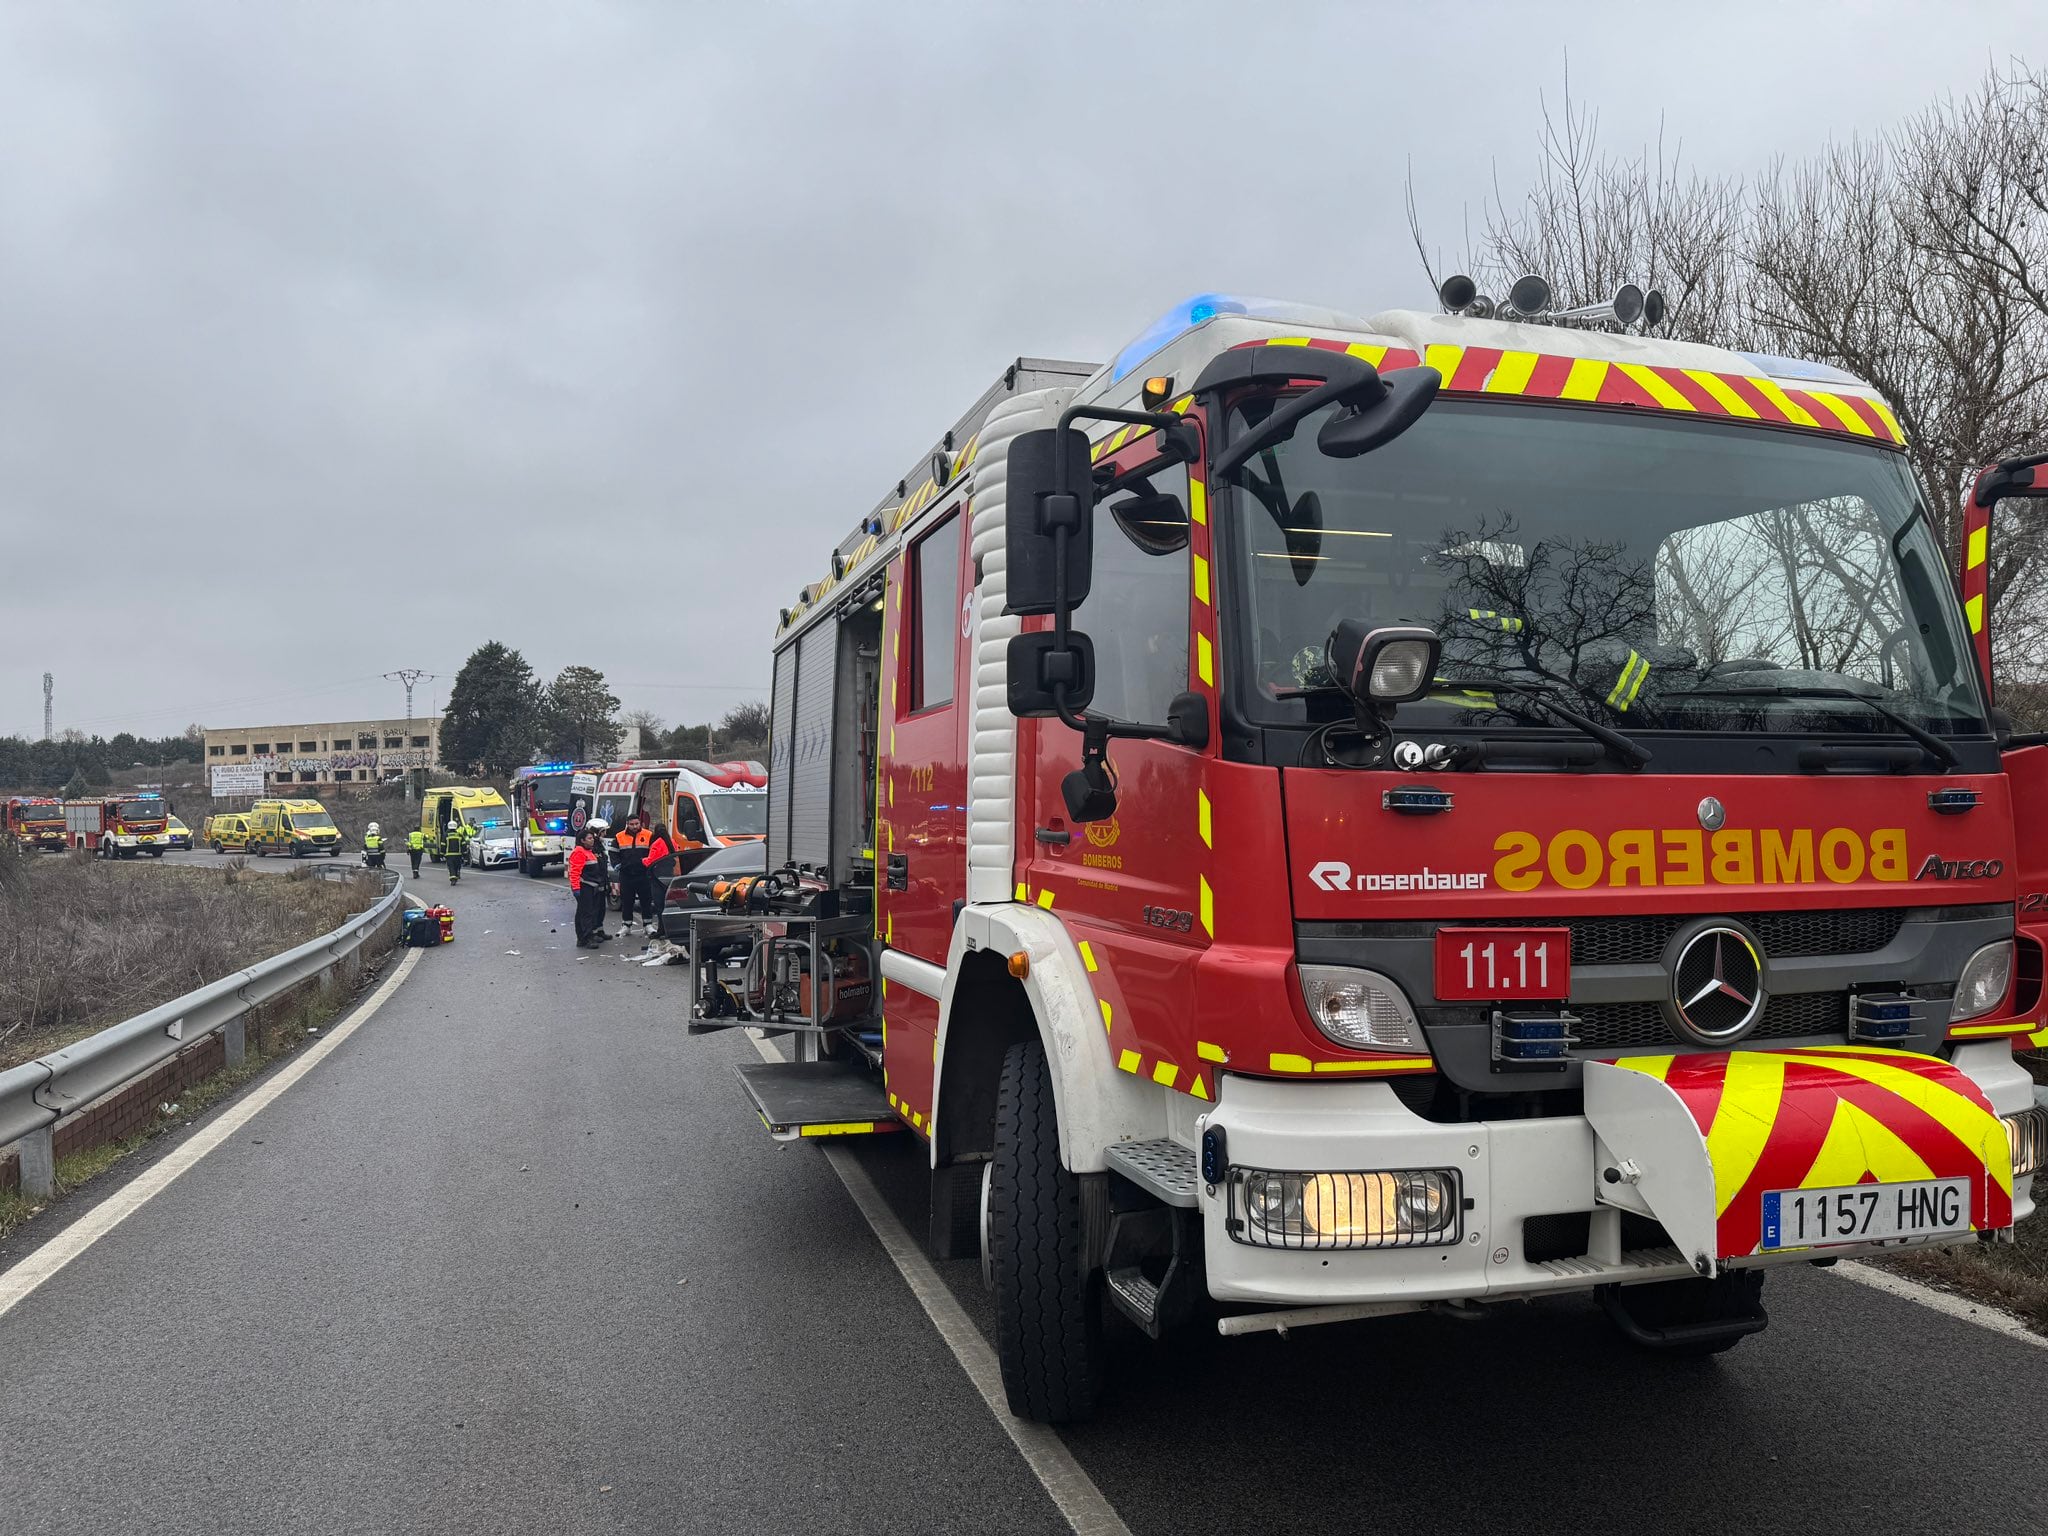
[(539, 797), (120, 826), (1362, 815), (35, 822)]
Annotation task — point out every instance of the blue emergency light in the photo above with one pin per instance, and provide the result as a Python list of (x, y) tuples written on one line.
[(1204, 307)]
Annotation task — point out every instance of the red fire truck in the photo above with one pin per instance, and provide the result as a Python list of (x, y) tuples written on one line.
[(1354, 816), (120, 826), (35, 821)]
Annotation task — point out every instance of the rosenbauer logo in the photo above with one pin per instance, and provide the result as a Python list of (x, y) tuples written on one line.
[(1334, 875)]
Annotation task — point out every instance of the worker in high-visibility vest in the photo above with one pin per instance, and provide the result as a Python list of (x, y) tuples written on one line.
[(633, 842), (586, 880), (415, 848)]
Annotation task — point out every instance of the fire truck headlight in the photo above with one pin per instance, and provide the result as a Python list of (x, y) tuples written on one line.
[(1984, 982), (2027, 1131), (1359, 1010), (1410, 1208)]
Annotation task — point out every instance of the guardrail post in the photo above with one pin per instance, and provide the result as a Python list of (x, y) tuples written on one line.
[(232, 1038), (38, 1153)]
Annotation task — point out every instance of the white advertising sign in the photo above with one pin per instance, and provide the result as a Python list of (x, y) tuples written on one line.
[(236, 779)]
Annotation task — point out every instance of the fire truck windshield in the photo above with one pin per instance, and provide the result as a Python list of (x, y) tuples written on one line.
[(142, 810), (1654, 572), (550, 791)]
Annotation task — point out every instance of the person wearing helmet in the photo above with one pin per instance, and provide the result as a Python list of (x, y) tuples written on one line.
[(455, 847), (373, 846), (586, 879)]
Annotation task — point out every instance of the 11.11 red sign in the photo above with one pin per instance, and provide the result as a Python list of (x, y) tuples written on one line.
[(1503, 964)]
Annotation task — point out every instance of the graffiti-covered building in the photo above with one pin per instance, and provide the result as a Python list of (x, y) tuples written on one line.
[(256, 759)]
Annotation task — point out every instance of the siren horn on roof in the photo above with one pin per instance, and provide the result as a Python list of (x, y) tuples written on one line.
[(1529, 297), (1461, 296)]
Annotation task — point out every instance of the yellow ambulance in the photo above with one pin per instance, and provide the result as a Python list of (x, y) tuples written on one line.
[(299, 828), (444, 803)]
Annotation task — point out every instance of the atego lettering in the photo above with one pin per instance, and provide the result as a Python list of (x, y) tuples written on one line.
[(1938, 868)]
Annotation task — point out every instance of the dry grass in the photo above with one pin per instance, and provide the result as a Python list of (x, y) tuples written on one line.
[(2014, 1277), (85, 944)]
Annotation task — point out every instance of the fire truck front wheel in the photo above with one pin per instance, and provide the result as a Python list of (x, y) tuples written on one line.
[(1048, 1299)]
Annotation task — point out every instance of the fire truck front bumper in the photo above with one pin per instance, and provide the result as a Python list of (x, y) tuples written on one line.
[(1337, 1193)]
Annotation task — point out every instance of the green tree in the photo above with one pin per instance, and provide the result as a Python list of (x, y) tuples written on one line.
[(579, 717), (494, 712), (77, 788)]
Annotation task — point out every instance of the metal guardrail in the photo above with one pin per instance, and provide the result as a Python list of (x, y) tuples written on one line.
[(37, 1094)]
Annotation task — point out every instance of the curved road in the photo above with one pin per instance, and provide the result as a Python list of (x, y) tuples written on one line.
[(439, 1285)]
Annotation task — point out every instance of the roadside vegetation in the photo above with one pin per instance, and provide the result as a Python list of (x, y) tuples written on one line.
[(85, 944)]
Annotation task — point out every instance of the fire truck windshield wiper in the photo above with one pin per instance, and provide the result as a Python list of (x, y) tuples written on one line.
[(1629, 750), (1938, 749)]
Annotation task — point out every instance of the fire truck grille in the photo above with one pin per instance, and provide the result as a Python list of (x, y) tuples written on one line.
[(1604, 1026), (1640, 940)]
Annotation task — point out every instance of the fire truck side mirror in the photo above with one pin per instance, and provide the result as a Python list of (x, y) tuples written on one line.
[(1037, 509), (1369, 423), (1038, 665)]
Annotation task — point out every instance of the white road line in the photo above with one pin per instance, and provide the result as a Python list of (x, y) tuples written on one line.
[(18, 1282), (1079, 1500), (1958, 1307)]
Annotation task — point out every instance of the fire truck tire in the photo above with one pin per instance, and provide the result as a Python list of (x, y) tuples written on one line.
[(1048, 1301)]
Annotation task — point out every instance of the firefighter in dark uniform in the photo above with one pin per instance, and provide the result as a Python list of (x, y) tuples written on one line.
[(455, 848)]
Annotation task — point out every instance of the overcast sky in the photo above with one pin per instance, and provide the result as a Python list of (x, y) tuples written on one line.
[(341, 338)]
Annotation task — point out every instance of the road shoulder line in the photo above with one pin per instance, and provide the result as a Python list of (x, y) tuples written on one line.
[(1069, 1487), (1960, 1308), (20, 1281)]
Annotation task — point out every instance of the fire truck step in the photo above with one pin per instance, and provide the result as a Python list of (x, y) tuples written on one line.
[(1162, 1168), (817, 1098)]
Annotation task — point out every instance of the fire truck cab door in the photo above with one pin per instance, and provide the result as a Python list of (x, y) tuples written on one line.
[(2016, 489), (923, 860)]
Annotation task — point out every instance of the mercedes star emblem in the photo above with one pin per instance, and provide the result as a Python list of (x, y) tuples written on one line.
[(1712, 814), (1717, 984)]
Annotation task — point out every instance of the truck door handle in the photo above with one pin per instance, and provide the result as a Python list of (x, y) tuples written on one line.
[(1052, 835), (899, 871)]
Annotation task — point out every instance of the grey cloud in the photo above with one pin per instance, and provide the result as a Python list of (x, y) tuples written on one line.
[(358, 335)]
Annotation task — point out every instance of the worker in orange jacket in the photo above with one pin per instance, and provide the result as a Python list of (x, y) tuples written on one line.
[(632, 844), (586, 879)]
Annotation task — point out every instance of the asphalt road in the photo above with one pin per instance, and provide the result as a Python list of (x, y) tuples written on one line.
[(438, 1286)]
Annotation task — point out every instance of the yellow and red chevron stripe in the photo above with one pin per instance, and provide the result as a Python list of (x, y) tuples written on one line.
[(1594, 381), (1824, 1116)]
